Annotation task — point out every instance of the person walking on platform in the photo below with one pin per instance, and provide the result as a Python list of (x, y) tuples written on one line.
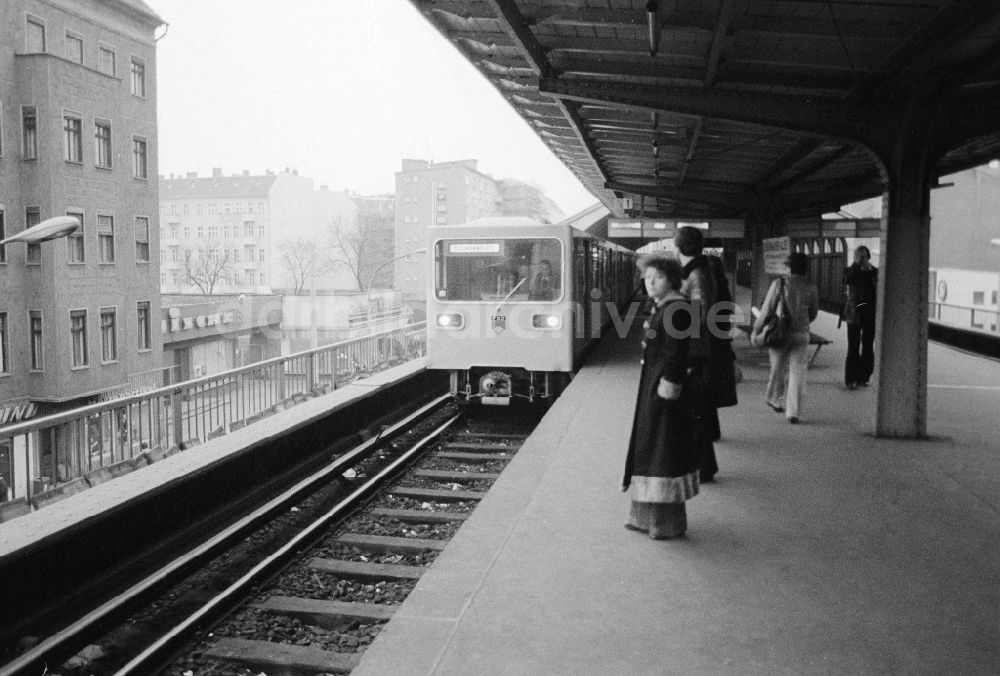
[(699, 289), (861, 281), (787, 380), (721, 375), (661, 467)]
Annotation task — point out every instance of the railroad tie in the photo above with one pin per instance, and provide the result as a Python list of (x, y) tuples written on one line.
[(359, 570), (268, 657)]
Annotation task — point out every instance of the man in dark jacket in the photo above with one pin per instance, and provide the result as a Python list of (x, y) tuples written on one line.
[(861, 280), (699, 287)]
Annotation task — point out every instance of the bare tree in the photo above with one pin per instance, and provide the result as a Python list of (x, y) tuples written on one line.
[(354, 246), (298, 257), (206, 267)]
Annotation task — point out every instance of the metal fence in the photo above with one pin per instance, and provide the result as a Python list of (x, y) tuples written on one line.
[(963, 316), (51, 457)]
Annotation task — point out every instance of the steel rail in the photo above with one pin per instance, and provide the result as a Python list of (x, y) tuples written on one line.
[(157, 656), (28, 663)]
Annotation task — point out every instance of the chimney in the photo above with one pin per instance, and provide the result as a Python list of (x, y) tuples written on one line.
[(295, 172), (246, 172), (324, 187), (216, 172), (268, 172), (171, 175), (192, 174)]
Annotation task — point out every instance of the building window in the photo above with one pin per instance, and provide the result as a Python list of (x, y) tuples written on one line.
[(139, 157), (33, 252), (106, 60), (37, 346), (72, 138), (248, 229), (74, 47), (185, 209), (76, 252), (213, 231), (78, 336), (105, 239), (173, 231), (145, 332), (175, 254), (102, 143), (260, 255), (212, 208), (4, 344), (200, 208), (260, 232), (29, 135), (994, 298), (109, 347), (225, 207), (978, 297), (201, 232), (141, 239), (163, 279), (138, 77), (36, 35), (187, 232)]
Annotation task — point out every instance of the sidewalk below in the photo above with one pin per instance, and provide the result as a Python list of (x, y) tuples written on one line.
[(820, 549)]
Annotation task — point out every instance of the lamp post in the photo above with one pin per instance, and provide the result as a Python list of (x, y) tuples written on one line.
[(371, 278)]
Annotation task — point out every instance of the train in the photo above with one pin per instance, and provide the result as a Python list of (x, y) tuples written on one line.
[(513, 305)]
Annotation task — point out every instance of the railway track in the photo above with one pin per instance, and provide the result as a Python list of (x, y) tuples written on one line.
[(295, 588)]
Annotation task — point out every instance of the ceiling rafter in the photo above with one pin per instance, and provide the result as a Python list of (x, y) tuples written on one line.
[(847, 119), (812, 168), (513, 24)]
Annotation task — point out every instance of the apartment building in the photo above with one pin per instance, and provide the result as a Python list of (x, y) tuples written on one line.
[(78, 314), (434, 193)]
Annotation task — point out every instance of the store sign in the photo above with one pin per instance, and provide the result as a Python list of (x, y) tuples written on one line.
[(178, 323)]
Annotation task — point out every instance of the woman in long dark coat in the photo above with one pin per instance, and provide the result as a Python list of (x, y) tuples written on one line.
[(661, 468)]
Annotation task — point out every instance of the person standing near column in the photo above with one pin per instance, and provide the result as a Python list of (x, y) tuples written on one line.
[(861, 280), (699, 288)]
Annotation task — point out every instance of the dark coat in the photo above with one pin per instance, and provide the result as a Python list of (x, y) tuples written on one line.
[(661, 443)]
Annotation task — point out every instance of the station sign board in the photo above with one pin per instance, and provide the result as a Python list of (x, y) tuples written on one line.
[(658, 228), (776, 250)]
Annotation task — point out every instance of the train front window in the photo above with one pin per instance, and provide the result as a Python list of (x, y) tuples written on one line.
[(526, 270)]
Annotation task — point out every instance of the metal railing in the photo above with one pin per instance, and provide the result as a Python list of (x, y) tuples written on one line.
[(63, 453), (977, 319)]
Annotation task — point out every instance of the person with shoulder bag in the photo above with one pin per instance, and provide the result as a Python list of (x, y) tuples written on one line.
[(791, 303)]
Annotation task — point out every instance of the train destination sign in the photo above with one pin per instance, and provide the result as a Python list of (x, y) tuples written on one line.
[(658, 228), (474, 248)]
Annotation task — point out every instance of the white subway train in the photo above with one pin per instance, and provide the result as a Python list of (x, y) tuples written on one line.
[(513, 304)]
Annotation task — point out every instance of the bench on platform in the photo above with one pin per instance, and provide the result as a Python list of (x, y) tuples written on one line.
[(814, 338)]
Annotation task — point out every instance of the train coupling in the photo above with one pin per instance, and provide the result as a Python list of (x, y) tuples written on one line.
[(495, 389)]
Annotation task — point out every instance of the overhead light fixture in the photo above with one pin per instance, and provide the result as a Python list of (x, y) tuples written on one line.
[(653, 17), (994, 164), (656, 149)]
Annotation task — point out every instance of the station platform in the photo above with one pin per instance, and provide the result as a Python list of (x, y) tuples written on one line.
[(818, 550), (26, 533)]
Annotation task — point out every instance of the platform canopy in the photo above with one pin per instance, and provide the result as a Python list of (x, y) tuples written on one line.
[(702, 109)]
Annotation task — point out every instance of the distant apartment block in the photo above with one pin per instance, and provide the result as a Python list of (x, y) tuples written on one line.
[(429, 193), (78, 137), (260, 234), (518, 198)]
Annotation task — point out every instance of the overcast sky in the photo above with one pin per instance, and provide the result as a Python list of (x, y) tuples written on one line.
[(341, 90)]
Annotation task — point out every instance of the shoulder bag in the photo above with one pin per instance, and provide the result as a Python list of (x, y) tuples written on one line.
[(775, 330)]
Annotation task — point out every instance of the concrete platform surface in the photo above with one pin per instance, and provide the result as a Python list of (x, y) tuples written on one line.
[(819, 550)]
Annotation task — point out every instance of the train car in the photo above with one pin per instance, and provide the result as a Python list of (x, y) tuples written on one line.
[(513, 304)]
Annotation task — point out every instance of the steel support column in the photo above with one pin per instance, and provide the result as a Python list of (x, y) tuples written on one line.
[(901, 325)]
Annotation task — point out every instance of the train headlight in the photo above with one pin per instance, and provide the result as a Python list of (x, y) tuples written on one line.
[(450, 321), (546, 321)]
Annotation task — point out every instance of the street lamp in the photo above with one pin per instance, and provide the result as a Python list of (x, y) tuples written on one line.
[(371, 278)]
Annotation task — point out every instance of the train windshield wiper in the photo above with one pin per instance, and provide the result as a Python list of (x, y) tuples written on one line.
[(516, 287)]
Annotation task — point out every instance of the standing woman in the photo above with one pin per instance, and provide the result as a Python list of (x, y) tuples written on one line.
[(789, 362), (661, 467)]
